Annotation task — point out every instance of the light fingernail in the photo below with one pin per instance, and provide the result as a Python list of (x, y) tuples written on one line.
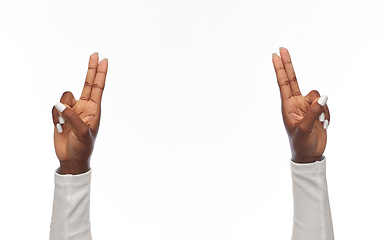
[(61, 120), (323, 100), (321, 117), (60, 107), (59, 128), (325, 124)]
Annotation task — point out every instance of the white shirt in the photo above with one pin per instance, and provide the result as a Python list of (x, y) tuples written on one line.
[(71, 205), (312, 215)]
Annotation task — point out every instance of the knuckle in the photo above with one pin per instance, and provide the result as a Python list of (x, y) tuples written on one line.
[(98, 86), (84, 131), (67, 93), (283, 82), (70, 114), (315, 92), (65, 98), (88, 84), (296, 94), (301, 129), (316, 109)]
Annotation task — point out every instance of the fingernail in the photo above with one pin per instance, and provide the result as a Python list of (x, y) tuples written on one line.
[(321, 117), (105, 59), (322, 100), (61, 120), (59, 128), (280, 48), (274, 54), (96, 53), (325, 124), (60, 107)]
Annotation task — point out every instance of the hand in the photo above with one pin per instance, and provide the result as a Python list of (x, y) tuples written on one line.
[(301, 114), (74, 139)]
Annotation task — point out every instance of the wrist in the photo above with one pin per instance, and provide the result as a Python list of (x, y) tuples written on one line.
[(306, 159), (74, 168)]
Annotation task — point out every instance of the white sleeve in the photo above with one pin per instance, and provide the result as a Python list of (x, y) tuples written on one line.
[(71, 205), (312, 215)]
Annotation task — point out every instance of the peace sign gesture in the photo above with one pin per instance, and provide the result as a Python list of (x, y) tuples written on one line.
[(306, 118), (77, 122)]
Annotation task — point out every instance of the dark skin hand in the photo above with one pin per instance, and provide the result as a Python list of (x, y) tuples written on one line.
[(300, 113), (74, 140)]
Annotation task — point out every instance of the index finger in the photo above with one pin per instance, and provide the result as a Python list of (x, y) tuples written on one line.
[(283, 81), (89, 80), (286, 59), (99, 82)]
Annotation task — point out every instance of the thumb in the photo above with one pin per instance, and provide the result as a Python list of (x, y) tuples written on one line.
[(69, 115), (315, 110)]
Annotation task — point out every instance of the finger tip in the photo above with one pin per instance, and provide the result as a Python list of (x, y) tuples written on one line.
[(59, 128), (60, 107), (322, 117), (325, 124), (61, 120), (323, 100), (282, 49)]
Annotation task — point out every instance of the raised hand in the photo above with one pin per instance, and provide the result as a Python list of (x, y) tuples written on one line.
[(77, 122), (306, 118)]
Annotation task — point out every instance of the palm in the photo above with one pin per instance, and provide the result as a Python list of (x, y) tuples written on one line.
[(294, 110), (89, 112), (68, 144)]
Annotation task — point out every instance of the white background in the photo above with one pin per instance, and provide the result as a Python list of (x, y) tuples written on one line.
[(192, 143)]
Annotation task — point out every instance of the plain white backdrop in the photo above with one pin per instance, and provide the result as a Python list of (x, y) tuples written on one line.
[(191, 143)]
